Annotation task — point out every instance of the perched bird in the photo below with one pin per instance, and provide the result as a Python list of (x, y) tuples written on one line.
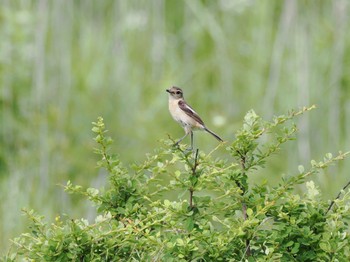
[(185, 115)]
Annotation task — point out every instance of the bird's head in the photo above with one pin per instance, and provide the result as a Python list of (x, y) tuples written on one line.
[(175, 92)]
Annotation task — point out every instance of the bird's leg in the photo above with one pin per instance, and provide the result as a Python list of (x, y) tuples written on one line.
[(182, 138), (191, 148)]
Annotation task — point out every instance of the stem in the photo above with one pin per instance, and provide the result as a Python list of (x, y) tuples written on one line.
[(191, 198), (244, 206), (195, 162), (194, 168), (338, 196)]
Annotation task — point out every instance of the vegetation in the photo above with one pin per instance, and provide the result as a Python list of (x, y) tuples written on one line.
[(219, 215), (64, 63)]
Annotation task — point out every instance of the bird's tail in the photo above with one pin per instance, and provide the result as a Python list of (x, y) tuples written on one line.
[(213, 134)]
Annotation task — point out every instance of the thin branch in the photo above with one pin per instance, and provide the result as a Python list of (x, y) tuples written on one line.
[(194, 168), (195, 162), (338, 196), (244, 206)]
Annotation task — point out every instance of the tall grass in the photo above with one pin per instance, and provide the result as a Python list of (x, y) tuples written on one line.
[(63, 63)]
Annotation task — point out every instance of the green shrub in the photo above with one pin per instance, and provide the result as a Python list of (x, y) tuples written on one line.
[(218, 214)]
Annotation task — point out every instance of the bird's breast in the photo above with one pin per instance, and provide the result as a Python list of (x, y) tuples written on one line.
[(181, 117)]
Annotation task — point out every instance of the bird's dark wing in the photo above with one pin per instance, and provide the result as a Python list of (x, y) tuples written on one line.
[(190, 112)]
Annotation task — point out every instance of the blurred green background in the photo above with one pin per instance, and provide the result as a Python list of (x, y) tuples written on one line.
[(63, 63)]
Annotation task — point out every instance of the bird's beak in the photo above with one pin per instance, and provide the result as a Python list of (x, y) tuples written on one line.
[(168, 90)]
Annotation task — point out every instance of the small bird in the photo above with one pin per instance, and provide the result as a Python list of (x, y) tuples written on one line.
[(185, 115)]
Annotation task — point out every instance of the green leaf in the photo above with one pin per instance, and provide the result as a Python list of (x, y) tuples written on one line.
[(189, 224), (295, 248), (95, 129), (167, 203), (325, 246), (301, 169), (249, 212), (180, 242)]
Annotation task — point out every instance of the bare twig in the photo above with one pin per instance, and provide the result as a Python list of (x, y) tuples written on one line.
[(338, 196), (194, 168)]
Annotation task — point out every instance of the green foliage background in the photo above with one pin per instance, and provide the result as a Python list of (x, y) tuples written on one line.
[(63, 63)]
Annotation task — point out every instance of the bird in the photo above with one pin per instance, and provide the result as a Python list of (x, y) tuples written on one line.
[(184, 114)]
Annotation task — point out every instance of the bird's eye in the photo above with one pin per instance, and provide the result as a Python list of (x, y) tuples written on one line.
[(178, 92)]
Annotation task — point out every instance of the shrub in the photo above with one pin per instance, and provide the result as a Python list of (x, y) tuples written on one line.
[(217, 214)]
